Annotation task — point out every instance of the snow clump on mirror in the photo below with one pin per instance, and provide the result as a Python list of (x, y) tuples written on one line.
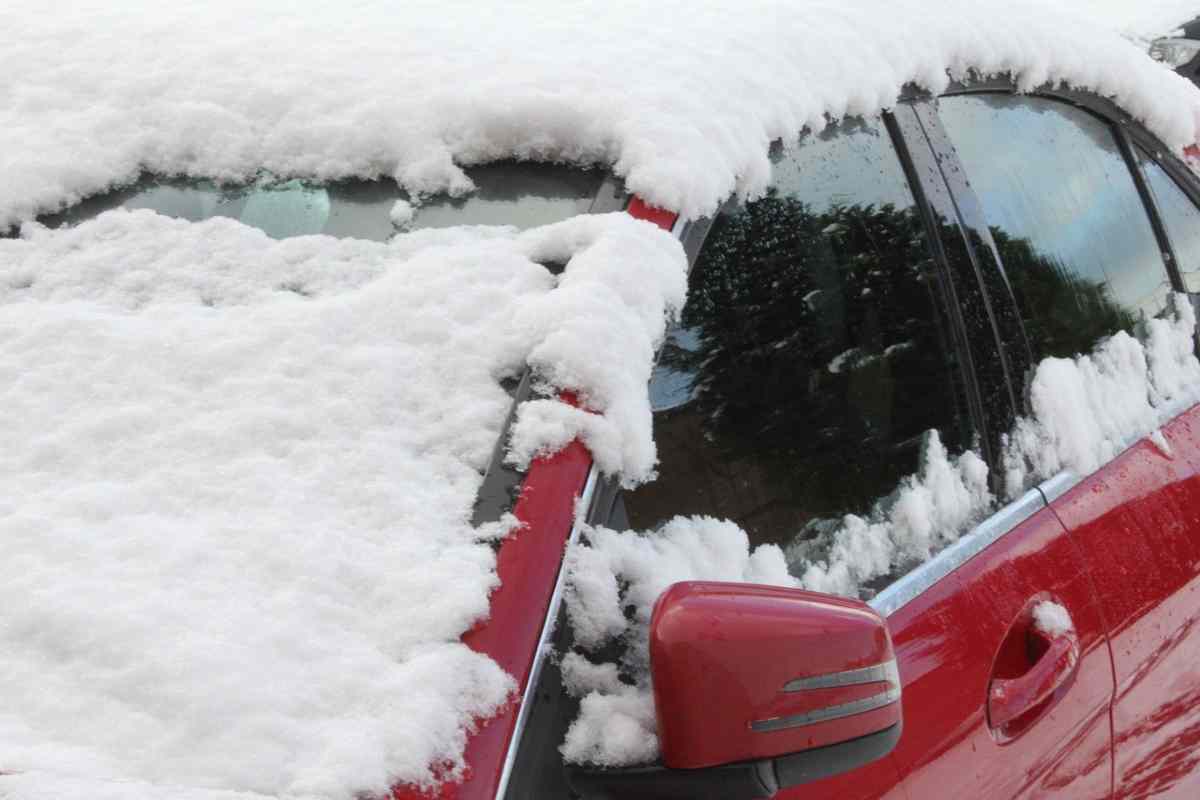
[(619, 570), (239, 475)]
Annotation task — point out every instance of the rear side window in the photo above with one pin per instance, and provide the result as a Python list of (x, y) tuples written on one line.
[(1074, 236), (523, 194), (812, 356), (1179, 215)]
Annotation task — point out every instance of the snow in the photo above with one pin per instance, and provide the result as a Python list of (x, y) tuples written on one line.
[(1141, 21), (664, 93), (928, 511), (1160, 441), (1052, 619), (402, 213), (237, 548), (1087, 409)]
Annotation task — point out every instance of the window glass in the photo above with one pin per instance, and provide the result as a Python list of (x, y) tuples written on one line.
[(524, 194), (1065, 213), (811, 357), (1180, 216)]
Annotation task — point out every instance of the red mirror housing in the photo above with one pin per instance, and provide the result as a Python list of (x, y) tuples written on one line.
[(744, 672)]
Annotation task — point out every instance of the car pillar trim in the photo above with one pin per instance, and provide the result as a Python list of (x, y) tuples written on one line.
[(544, 647)]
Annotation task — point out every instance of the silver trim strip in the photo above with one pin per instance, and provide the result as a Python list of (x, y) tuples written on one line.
[(851, 677), (544, 647), (677, 230), (1060, 484), (900, 593), (884, 698)]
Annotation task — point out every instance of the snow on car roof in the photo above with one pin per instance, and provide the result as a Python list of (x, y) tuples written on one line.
[(238, 557), (680, 98), (1141, 21)]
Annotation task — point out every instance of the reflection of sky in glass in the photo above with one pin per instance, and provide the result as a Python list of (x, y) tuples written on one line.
[(508, 193), (1052, 174), (671, 388), (1181, 218)]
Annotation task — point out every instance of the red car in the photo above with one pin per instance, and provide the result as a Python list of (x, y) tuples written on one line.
[(1021, 227), (901, 276)]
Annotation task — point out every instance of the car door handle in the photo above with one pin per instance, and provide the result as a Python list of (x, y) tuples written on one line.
[(1009, 698)]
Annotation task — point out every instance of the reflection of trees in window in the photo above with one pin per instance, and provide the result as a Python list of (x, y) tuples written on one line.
[(818, 361), (1064, 313), (817, 364)]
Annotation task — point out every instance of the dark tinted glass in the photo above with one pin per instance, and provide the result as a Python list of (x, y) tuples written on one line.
[(1180, 216), (1070, 226), (811, 356), (509, 193)]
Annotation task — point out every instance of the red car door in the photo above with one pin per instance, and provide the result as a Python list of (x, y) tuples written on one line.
[(1138, 522), (959, 632), (1075, 191)]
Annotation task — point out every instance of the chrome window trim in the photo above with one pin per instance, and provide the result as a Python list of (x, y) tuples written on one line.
[(1060, 484), (544, 647), (911, 585), (971, 544)]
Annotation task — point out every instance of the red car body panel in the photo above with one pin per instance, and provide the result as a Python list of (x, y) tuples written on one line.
[(722, 651), (1137, 521), (951, 641), (527, 565)]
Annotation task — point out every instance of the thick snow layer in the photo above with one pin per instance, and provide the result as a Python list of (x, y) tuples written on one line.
[(1084, 412), (1052, 619), (680, 97), (238, 476)]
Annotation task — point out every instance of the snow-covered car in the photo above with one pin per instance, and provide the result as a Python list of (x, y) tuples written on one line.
[(800, 404)]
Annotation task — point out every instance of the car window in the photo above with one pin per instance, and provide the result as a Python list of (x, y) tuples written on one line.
[(1180, 216), (812, 357), (1071, 229), (523, 194)]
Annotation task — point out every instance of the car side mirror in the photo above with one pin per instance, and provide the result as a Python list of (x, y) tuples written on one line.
[(759, 688)]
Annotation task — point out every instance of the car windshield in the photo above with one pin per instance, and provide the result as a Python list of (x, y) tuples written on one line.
[(523, 194)]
